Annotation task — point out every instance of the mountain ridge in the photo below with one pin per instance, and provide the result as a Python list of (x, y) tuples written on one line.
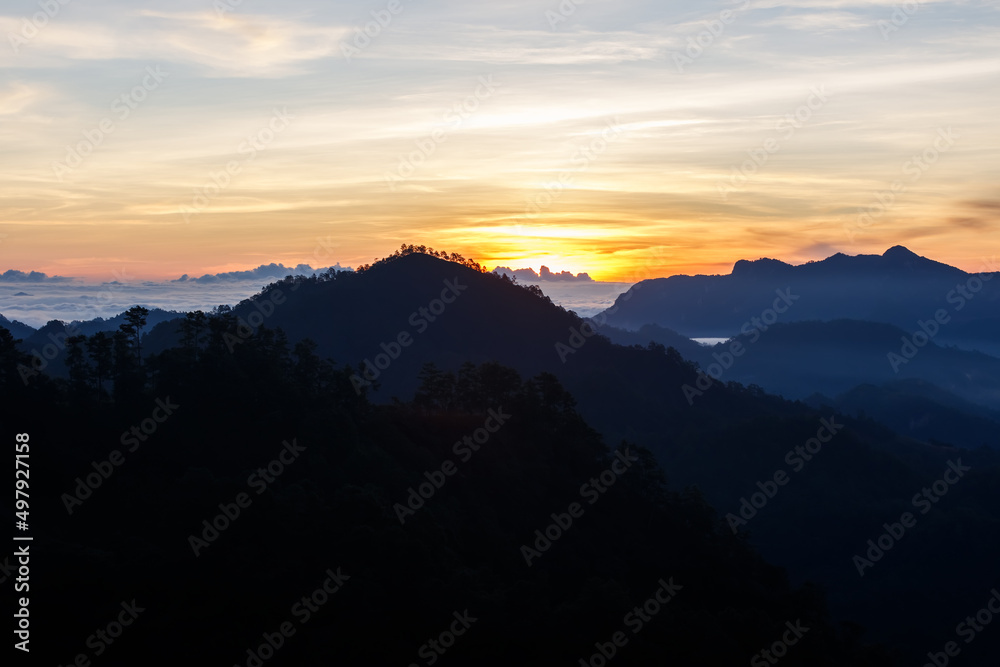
[(898, 287)]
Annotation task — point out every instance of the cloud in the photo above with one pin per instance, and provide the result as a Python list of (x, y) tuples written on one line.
[(970, 222), (272, 270), (820, 22), (833, 4), (71, 299), (496, 46), (237, 44), (355, 121), (15, 276), (17, 96), (988, 205), (84, 302), (544, 275)]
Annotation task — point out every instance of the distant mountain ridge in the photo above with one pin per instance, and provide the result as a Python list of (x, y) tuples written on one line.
[(919, 410), (800, 358), (896, 258), (18, 329), (898, 287)]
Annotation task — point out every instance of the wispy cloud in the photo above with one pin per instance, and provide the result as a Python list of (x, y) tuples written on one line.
[(17, 96), (820, 22), (357, 120), (234, 44)]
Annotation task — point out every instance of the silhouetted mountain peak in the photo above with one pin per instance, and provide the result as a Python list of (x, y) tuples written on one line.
[(414, 262), (901, 257), (17, 329), (897, 287), (898, 252), (764, 266), (897, 259), (52, 327)]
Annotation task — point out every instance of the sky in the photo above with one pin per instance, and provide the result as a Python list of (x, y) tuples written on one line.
[(627, 139)]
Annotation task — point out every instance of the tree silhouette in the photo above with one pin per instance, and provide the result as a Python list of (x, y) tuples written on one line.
[(135, 320), (193, 329), (100, 347), (80, 371), (437, 388), (411, 249), (308, 366), (124, 369), (10, 357)]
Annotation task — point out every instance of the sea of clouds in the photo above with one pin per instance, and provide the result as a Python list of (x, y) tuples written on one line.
[(35, 298)]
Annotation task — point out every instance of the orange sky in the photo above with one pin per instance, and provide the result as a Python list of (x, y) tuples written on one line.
[(211, 142)]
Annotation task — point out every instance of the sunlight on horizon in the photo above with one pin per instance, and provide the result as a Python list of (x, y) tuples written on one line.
[(174, 141)]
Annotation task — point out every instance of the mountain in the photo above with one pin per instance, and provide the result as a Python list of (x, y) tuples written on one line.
[(359, 319), (18, 329), (897, 287), (877, 326), (919, 410), (802, 358), (730, 441), (90, 327), (501, 540), (48, 343), (654, 333)]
